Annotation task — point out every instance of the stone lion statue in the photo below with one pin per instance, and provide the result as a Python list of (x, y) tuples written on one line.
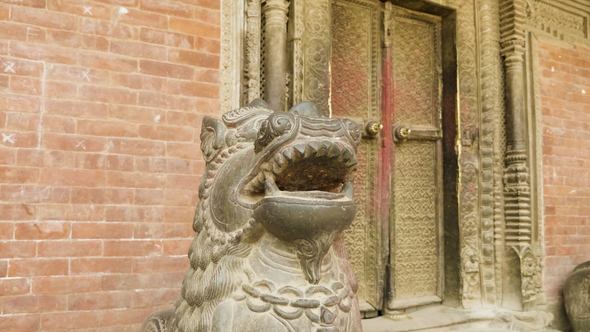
[(275, 196)]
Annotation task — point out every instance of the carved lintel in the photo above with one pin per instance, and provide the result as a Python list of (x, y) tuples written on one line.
[(275, 34), (560, 18)]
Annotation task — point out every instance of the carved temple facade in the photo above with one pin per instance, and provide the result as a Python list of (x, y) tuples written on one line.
[(456, 203)]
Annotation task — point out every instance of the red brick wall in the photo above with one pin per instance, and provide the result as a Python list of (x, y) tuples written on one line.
[(565, 101), (100, 109)]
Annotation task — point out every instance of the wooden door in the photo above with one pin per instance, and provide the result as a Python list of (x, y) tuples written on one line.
[(355, 67), (394, 244), (415, 221)]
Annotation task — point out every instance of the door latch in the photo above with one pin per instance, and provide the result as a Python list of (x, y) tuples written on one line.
[(416, 133)]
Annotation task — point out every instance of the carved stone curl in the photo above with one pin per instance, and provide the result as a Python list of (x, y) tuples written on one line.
[(276, 193)]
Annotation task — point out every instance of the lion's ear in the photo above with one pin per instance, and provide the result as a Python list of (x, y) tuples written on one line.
[(212, 137)]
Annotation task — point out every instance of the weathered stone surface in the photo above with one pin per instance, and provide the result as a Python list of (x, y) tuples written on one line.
[(275, 197), (577, 297)]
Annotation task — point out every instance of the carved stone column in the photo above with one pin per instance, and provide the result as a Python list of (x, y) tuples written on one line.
[(518, 230), (275, 61)]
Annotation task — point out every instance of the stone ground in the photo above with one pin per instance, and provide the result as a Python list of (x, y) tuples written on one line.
[(444, 319)]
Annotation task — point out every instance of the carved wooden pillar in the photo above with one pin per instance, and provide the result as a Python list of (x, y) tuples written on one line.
[(311, 46), (252, 51), (275, 60), (521, 256)]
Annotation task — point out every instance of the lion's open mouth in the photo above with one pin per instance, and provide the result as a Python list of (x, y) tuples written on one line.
[(315, 169)]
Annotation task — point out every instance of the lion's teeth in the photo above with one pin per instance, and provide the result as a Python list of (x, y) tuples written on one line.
[(270, 185), (333, 151), (288, 153), (277, 168), (347, 189), (280, 160), (300, 149)]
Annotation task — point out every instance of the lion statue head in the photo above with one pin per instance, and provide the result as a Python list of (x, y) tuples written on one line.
[(276, 194)]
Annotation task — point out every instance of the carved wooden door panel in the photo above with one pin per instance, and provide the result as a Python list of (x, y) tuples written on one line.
[(355, 66), (416, 255), (406, 234)]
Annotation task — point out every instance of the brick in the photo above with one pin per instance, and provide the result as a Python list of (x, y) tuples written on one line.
[(153, 99), (102, 231), (59, 124), (60, 90), (28, 3), (103, 300), (166, 38), (78, 109), (183, 150), (134, 114), (142, 281), (140, 50), (148, 196), (18, 174), (23, 67), (66, 284), (43, 52), (168, 7), (193, 58), (62, 321), (69, 248), (195, 28), (14, 286), (142, 18), (197, 89), (178, 229), (134, 214), (207, 15), (106, 28), (106, 128), (25, 85), (15, 103), (76, 74), (21, 140), (137, 147), (43, 18), (132, 248), (81, 9), (101, 265), (108, 62), (177, 246), (7, 156), (144, 298), (166, 133), (12, 31), (111, 95), (76, 40), (160, 264), (6, 231), (22, 121), (74, 143), (19, 323), (72, 177), (17, 249), (41, 230), (37, 267), (165, 69)]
